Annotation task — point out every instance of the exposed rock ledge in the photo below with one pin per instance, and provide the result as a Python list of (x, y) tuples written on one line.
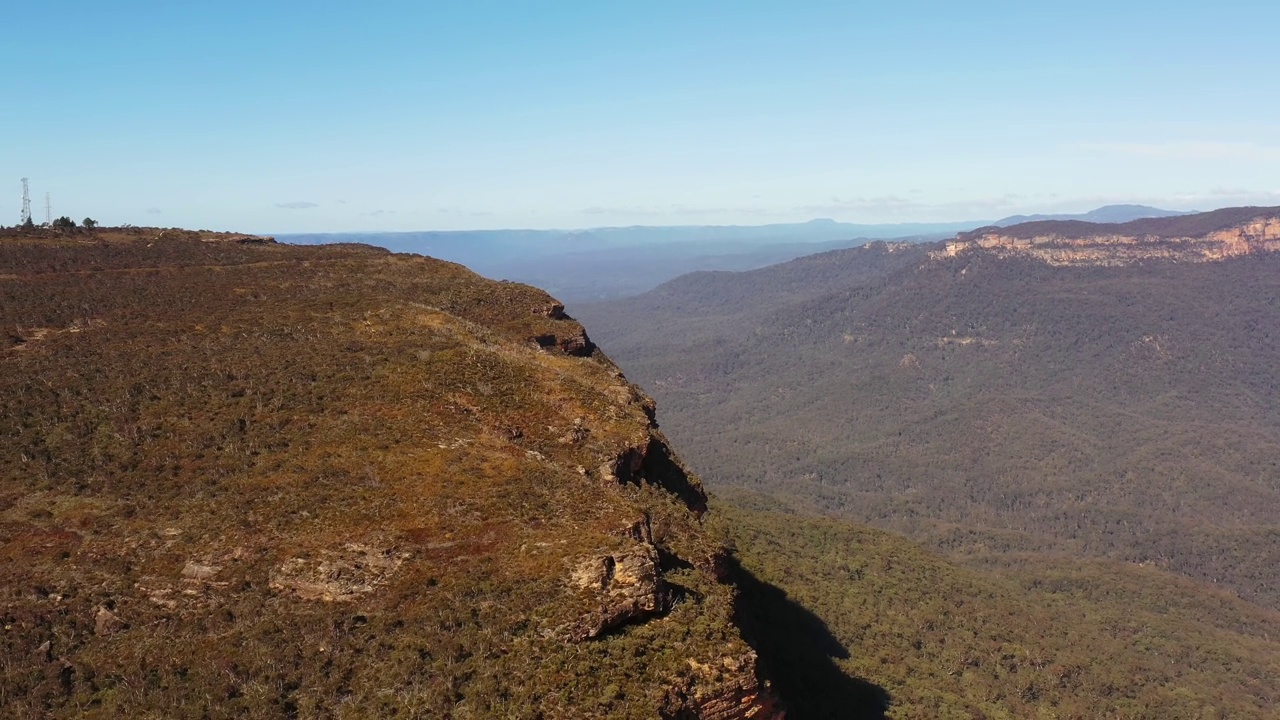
[(627, 585), (726, 691), (624, 585), (1261, 234)]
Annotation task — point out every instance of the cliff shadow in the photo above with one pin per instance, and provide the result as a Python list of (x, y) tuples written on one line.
[(797, 652), (663, 468)]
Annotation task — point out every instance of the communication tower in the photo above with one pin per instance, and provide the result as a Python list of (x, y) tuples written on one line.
[(48, 211), (26, 203)]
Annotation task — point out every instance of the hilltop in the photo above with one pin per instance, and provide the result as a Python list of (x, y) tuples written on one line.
[(245, 478)]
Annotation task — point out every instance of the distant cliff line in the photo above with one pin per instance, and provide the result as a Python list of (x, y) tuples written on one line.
[(1204, 237)]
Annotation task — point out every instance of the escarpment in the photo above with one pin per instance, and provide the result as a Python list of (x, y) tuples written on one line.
[(1205, 237), (243, 477)]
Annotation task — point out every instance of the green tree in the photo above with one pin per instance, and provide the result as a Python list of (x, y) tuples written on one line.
[(64, 223), (89, 223)]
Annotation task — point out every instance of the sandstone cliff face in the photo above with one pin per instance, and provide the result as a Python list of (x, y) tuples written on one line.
[(1261, 234), (247, 478), (626, 585)]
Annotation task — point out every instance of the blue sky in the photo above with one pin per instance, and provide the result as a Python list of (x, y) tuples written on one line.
[(292, 116)]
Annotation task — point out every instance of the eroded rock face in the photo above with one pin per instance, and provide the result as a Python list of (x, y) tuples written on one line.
[(572, 343), (1256, 236), (624, 586), (724, 690), (628, 586), (570, 339), (654, 463)]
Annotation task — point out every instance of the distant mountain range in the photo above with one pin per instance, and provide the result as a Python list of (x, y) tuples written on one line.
[(1106, 214), (612, 262), (603, 263), (487, 245)]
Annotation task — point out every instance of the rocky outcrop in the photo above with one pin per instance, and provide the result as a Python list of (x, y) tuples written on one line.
[(623, 586), (726, 690), (654, 463), (336, 576), (1071, 247), (107, 623), (570, 338), (207, 236), (574, 343)]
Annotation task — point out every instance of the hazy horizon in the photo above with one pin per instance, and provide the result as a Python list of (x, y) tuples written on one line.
[(638, 226)]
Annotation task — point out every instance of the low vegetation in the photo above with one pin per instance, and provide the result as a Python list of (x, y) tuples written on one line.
[(243, 479), (985, 406), (1037, 638), (239, 478)]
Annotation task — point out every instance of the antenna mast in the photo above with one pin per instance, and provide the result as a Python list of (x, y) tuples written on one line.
[(26, 203), (48, 211)]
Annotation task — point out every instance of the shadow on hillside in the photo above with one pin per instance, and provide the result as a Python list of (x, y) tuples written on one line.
[(664, 470), (797, 653)]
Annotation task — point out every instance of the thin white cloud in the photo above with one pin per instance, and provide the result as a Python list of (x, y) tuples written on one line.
[(632, 211), (1222, 197), (1209, 150), (675, 210), (910, 206), (895, 208), (297, 205)]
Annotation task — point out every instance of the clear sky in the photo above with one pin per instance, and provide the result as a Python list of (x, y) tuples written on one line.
[(312, 116)]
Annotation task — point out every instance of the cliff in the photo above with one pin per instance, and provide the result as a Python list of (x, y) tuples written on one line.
[(1204, 237), (245, 478)]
